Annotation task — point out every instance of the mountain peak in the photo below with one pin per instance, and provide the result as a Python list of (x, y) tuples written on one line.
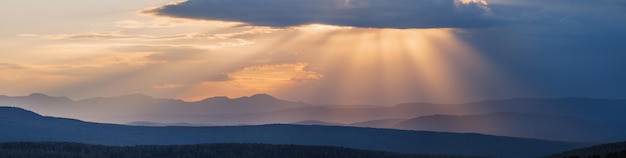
[(253, 97), (38, 95), (41, 96), (219, 97), (262, 96), (136, 95)]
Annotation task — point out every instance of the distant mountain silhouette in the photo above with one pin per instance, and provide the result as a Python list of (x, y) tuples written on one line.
[(18, 129), (313, 122), (132, 107), (384, 123), (38, 101), (584, 108), (158, 124), (540, 126), (581, 119), (263, 109), (254, 103)]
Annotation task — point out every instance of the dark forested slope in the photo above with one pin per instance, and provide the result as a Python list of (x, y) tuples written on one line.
[(69, 150), (610, 150)]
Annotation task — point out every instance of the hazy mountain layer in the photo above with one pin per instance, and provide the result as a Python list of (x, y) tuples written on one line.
[(539, 126), (264, 109), (565, 119), (22, 125)]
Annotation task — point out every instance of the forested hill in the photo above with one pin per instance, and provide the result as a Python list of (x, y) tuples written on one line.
[(611, 150), (71, 150)]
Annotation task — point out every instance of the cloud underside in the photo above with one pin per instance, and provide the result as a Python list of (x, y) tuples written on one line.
[(355, 13)]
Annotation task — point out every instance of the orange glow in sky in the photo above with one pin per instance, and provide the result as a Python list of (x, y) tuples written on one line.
[(194, 59)]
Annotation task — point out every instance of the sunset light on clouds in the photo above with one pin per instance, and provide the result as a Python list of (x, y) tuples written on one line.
[(316, 51)]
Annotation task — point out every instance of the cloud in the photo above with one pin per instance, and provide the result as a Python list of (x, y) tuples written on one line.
[(95, 36), (217, 77), (559, 47), (164, 53), (11, 66), (282, 72), (554, 48), (131, 24), (164, 23), (235, 37), (356, 13), (254, 80), (168, 86)]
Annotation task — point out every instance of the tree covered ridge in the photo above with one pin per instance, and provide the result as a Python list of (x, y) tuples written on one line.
[(76, 150), (610, 150)]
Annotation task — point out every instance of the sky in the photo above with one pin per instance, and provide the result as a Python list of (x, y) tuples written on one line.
[(378, 52)]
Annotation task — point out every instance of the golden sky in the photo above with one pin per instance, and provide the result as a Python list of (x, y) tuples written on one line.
[(84, 49)]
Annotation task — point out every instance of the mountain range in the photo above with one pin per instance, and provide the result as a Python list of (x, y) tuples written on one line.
[(24, 126), (134, 107), (561, 119), (541, 126)]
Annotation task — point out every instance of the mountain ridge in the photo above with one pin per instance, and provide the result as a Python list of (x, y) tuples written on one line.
[(528, 125), (124, 108), (265, 109), (405, 141)]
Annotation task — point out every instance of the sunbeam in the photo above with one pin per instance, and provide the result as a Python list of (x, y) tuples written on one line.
[(375, 66)]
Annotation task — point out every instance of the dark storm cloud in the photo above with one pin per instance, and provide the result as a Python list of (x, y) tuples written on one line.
[(357, 13), (555, 48), (559, 47)]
